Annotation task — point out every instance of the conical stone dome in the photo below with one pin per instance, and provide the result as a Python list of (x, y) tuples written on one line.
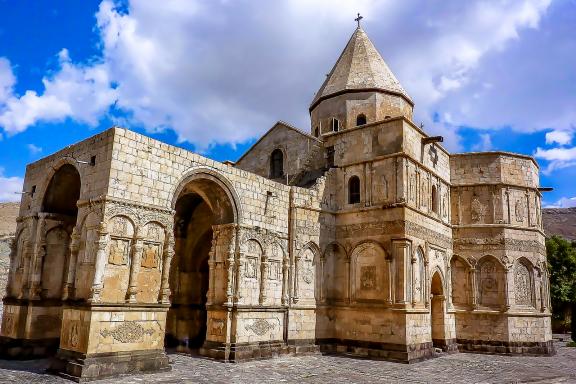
[(360, 68)]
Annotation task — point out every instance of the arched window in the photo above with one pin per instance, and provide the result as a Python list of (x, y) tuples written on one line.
[(276, 164), (435, 202), (360, 119), (335, 125), (353, 190)]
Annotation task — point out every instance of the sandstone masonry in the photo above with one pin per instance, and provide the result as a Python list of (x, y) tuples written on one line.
[(365, 236)]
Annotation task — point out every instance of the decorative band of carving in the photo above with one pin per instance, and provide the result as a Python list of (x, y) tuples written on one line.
[(127, 332)]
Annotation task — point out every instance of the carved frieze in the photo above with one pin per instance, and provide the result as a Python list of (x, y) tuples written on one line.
[(127, 332), (260, 326)]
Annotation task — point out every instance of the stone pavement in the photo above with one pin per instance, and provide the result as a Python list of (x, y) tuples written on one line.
[(457, 368)]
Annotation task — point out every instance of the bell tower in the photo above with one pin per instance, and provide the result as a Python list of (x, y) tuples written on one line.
[(360, 89)]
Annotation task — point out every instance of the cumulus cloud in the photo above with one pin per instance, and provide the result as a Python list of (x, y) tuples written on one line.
[(559, 137), (10, 187), (223, 72), (563, 202), (80, 92)]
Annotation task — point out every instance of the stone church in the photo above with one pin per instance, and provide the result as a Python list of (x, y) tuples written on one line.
[(362, 236)]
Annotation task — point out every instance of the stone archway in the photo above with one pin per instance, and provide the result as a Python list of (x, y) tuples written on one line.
[(197, 281), (438, 312)]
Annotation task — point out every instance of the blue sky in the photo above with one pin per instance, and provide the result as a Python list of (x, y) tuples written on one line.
[(212, 76)]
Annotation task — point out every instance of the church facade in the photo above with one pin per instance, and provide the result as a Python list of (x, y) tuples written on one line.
[(363, 236)]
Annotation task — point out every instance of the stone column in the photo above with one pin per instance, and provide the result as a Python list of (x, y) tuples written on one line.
[(35, 273), (390, 297), (136, 261), (413, 270), (212, 268), (474, 288), (401, 253), (239, 266), (426, 285), (263, 278), (26, 260), (449, 287), (13, 263), (507, 298), (100, 263), (167, 256), (70, 276), (230, 266), (348, 281), (285, 283), (295, 298)]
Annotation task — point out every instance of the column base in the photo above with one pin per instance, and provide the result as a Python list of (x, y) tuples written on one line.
[(25, 349), (447, 345), (545, 348), (81, 368), (400, 353), (239, 352)]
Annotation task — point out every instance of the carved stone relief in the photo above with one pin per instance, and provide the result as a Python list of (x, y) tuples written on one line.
[(478, 211), (127, 332), (118, 251), (368, 277), (151, 255), (260, 327), (251, 268), (522, 285), (519, 210)]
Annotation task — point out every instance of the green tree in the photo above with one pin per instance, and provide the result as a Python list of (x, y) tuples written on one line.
[(562, 267)]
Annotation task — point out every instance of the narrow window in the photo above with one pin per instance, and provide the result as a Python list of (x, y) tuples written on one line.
[(33, 191), (330, 156), (276, 164), (93, 161), (435, 205), (335, 125), (360, 119), (316, 132), (353, 190)]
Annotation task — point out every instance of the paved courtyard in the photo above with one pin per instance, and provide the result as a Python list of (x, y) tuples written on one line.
[(457, 368)]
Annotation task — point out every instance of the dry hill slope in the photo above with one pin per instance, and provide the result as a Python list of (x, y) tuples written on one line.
[(560, 221)]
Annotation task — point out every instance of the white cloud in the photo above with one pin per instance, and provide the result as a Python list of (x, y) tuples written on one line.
[(485, 143), (80, 92), (564, 202), (559, 137), (34, 149), (10, 187), (223, 72), (557, 158)]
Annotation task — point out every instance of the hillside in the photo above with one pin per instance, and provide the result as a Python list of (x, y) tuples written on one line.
[(560, 221)]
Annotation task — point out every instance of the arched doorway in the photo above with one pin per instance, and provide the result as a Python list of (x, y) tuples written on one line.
[(59, 212), (203, 202), (438, 312)]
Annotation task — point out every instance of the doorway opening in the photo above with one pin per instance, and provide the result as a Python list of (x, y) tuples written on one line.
[(437, 313), (200, 205)]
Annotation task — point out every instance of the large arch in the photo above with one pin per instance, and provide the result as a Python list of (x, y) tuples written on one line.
[(203, 202)]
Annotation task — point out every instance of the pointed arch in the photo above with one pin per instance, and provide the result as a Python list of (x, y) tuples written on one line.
[(524, 292), (461, 285), (335, 274), (491, 282)]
